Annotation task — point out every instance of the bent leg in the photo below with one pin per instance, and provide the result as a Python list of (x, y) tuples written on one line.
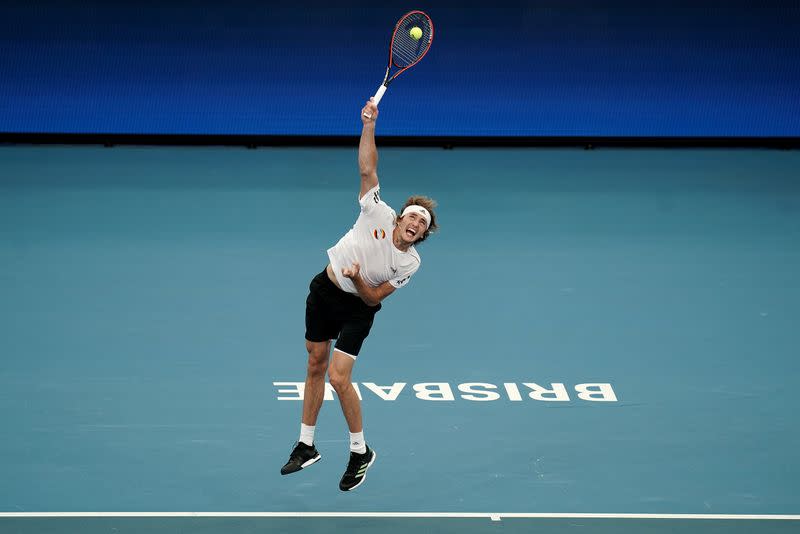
[(340, 373), (318, 353)]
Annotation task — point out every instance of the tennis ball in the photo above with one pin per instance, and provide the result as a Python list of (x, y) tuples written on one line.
[(415, 33)]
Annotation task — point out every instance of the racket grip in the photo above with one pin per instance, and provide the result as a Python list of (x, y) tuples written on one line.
[(379, 94), (377, 98)]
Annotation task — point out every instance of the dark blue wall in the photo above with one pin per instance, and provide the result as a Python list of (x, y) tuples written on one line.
[(538, 68)]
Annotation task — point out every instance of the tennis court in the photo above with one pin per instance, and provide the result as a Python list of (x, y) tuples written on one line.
[(591, 332)]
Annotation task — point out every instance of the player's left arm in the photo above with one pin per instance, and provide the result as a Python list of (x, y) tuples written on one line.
[(367, 151), (372, 296)]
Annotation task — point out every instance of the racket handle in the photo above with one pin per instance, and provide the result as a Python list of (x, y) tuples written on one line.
[(377, 98), (379, 94)]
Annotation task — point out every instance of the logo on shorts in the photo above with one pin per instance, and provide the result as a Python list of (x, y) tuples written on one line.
[(379, 233)]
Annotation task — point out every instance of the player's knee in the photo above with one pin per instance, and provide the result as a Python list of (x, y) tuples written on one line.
[(316, 366), (317, 363), (339, 381)]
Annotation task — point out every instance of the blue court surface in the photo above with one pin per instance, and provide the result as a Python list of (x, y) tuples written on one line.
[(591, 332)]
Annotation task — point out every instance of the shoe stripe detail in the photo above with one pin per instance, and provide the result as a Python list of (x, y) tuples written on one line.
[(311, 461), (363, 478)]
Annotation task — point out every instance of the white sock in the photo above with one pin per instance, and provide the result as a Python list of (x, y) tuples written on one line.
[(357, 443), (307, 434)]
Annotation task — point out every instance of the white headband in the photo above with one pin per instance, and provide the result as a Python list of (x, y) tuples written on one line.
[(413, 208)]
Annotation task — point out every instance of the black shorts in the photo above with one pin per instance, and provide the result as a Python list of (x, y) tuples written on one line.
[(332, 313)]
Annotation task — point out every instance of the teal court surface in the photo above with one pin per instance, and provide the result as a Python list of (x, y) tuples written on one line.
[(597, 341)]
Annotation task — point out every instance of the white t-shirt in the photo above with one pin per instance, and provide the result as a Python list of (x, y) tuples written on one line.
[(369, 242)]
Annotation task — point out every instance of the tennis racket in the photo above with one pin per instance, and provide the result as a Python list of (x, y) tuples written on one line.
[(411, 40)]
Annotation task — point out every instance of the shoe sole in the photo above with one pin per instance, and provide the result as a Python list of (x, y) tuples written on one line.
[(374, 457), (312, 461)]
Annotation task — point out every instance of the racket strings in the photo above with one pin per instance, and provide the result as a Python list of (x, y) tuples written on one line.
[(405, 49)]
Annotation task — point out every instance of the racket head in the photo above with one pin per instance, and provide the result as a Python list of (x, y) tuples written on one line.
[(406, 51)]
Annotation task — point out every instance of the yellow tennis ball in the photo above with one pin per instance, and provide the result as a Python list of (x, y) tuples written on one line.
[(415, 33)]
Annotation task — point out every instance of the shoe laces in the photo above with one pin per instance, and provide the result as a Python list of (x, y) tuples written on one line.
[(356, 460), (295, 450)]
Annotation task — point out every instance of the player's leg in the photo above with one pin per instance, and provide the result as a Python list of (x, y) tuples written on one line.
[(322, 326), (315, 380), (305, 453), (340, 373), (320, 329)]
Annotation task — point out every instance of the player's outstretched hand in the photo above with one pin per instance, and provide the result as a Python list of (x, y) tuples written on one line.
[(352, 272), (370, 112)]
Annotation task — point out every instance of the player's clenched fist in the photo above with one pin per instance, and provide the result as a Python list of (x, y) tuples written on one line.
[(370, 112), (352, 272)]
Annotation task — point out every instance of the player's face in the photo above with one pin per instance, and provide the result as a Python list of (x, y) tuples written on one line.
[(412, 227)]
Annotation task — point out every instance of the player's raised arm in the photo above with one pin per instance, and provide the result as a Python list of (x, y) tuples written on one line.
[(367, 151)]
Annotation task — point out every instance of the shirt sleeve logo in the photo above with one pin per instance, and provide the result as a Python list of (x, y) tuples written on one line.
[(379, 233), (376, 197)]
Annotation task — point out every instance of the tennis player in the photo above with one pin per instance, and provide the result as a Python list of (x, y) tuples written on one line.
[(372, 260)]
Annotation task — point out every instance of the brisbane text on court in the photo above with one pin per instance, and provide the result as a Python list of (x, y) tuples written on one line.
[(469, 391)]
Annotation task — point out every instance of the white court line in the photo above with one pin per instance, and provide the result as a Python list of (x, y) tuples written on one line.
[(494, 516)]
